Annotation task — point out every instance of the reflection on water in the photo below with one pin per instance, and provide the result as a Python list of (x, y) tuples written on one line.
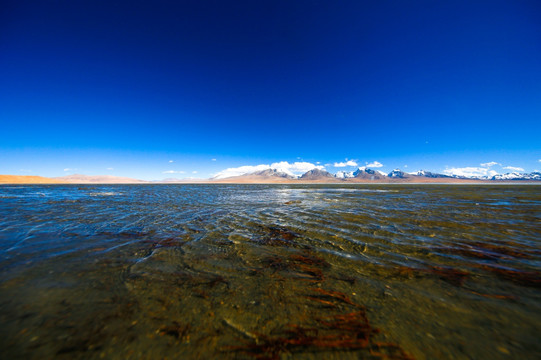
[(270, 271)]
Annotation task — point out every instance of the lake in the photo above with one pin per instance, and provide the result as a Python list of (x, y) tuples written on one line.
[(270, 271)]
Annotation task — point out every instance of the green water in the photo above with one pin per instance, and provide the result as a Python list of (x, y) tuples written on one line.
[(270, 271)]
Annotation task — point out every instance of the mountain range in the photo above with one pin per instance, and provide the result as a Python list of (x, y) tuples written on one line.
[(361, 175), (366, 175)]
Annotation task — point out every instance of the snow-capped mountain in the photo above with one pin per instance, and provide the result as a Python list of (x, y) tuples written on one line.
[(518, 176), (344, 174), (397, 173), (273, 173), (365, 173), (429, 174)]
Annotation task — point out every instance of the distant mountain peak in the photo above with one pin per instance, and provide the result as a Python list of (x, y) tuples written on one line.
[(316, 174), (430, 174), (369, 174), (273, 173), (397, 173), (344, 174)]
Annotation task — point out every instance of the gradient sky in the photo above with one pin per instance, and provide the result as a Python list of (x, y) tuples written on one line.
[(126, 87)]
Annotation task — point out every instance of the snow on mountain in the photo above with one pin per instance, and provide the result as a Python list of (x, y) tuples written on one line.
[(518, 176), (428, 174), (344, 174), (365, 173), (276, 173), (397, 173)]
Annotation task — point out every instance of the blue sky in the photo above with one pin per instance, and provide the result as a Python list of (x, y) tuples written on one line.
[(125, 87)]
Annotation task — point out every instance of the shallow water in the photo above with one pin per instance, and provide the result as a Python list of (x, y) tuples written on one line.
[(270, 271)]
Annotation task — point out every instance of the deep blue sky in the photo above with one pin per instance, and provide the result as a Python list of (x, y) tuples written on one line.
[(131, 85)]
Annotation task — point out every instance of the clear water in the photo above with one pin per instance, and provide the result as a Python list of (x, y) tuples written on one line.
[(270, 271)]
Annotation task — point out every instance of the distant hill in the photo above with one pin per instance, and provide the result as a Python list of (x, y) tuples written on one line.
[(25, 179), (98, 179), (272, 176), (269, 176), (317, 174)]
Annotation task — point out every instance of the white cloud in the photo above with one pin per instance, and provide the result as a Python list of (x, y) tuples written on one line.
[(294, 169), (213, 159), (490, 164), (539, 160), (194, 172), (110, 168), (173, 172), (69, 169), (374, 164), (25, 170), (171, 161), (470, 172), (512, 168), (344, 164), (405, 166)]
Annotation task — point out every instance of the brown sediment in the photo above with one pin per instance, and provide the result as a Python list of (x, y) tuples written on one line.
[(519, 277), (307, 266), (346, 330), (175, 329), (314, 273), (453, 276), (484, 251), (276, 236), (335, 295), (310, 259), (495, 296)]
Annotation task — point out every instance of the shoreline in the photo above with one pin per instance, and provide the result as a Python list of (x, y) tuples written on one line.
[(40, 180)]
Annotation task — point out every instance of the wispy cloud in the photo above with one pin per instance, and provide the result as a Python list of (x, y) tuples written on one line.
[(513, 168), (344, 164), (194, 172), (173, 172), (241, 170), (289, 168), (375, 164), (213, 159), (25, 170), (470, 172), (70, 169), (171, 161), (490, 164), (110, 168)]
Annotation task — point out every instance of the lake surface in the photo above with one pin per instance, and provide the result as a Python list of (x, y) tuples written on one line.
[(270, 271)]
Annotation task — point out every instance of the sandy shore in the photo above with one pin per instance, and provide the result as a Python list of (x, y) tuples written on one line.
[(25, 179)]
